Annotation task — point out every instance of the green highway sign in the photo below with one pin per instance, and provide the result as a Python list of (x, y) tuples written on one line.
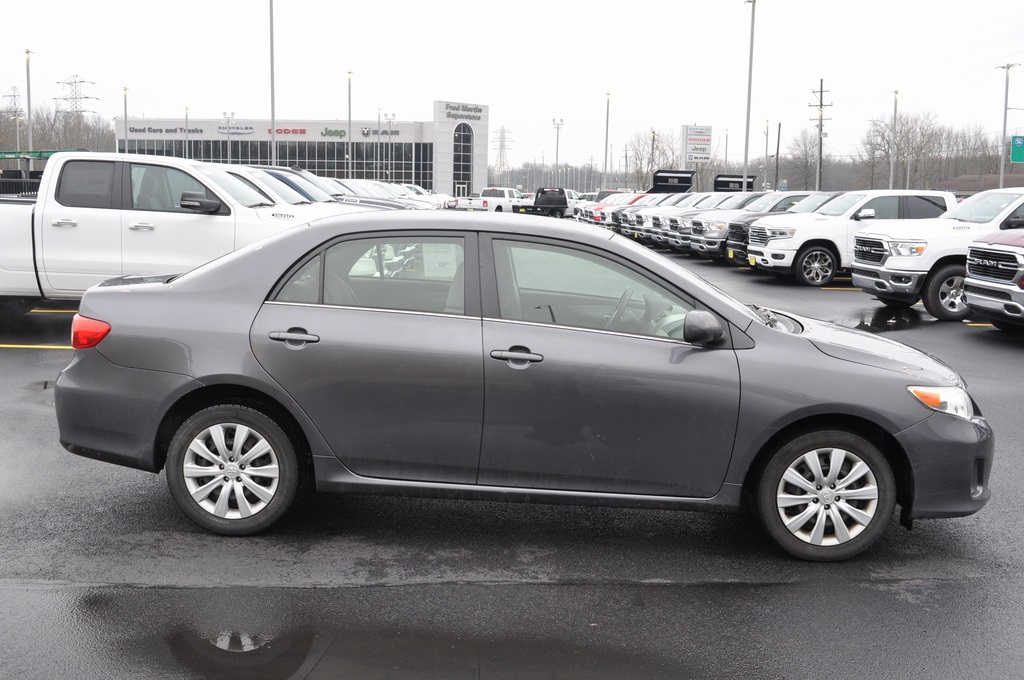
[(25, 154), (1017, 149)]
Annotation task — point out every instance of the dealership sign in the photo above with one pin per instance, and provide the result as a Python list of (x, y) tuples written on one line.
[(697, 148)]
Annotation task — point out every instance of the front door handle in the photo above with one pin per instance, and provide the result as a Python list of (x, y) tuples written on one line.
[(517, 357), (294, 338), (141, 226)]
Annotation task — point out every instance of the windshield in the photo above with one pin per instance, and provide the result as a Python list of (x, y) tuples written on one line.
[(762, 204), (303, 185), (840, 205), (328, 187), (812, 203), (234, 187), (734, 202), (283, 191), (983, 207)]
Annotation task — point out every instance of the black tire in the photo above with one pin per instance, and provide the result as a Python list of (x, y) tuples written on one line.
[(943, 294), (815, 266), (228, 514), (498, 209), (895, 303), (863, 519)]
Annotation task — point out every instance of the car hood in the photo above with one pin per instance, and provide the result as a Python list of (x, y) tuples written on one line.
[(864, 348), (1010, 237), (919, 229)]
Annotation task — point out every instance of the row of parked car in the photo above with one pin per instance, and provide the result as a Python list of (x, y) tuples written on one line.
[(900, 246)]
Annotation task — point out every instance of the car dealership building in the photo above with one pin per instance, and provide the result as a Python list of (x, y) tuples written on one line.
[(447, 154)]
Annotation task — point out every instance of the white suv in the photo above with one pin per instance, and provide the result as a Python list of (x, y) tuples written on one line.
[(814, 246)]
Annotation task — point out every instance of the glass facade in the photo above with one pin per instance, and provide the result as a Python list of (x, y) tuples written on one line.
[(400, 162), (462, 165)]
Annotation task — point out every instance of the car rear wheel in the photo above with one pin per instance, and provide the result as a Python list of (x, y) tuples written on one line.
[(815, 266), (944, 293), (232, 470), (826, 496)]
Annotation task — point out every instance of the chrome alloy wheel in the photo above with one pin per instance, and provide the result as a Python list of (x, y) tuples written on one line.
[(231, 471), (827, 496), (951, 294), (818, 267)]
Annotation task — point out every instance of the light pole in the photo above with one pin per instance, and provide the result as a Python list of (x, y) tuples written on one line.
[(273, 113), (607, 115), (1002, 139), (750, 80), (764, 180), (126, 120), (229, 118), (558, 129), (389, 118), (892, 139), (187, 154), (376, 150), (348, 156), (28, 105), (653, 135)]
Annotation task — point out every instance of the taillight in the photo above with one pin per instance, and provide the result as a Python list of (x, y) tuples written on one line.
[(485, 203), (86, 332)]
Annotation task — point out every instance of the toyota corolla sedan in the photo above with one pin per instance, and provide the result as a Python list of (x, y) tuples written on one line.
[(480, 357)]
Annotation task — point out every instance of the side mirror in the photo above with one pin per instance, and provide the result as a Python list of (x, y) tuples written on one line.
[(1013, 223), (865, 214), (702, 328), (198, 202)]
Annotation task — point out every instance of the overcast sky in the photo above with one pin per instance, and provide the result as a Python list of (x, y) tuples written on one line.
[(665, 64)]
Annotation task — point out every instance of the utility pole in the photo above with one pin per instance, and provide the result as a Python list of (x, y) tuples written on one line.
[(778, 141), (653, 135), (892, 139), (821, 133)]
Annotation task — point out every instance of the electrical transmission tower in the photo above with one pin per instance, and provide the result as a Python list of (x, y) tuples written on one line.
[(503, 141), (820, 92), (74, 110), (13, 110)]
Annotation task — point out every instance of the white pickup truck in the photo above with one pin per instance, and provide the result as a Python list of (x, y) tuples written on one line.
[(813, 247), (102, 215), (494, 199), (903, 262)]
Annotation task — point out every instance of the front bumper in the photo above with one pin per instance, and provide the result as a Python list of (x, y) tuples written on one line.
[(1002, 301), (764, 257), (708, 247), (951, 459), (873, 278), (736, 253)]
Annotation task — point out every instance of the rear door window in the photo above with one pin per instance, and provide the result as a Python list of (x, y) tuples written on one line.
[(920, 207), (86, 184)]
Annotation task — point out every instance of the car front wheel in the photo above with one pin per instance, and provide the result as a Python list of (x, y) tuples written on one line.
[(815, 266), (232, 470), (826, 496), (944, 294)]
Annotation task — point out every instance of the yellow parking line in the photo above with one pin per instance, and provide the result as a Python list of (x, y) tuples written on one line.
[(979, 325), (856, 289), (54, 311), (36, 346)]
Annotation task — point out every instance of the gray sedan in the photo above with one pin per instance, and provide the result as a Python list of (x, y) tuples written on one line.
[(509, 358)]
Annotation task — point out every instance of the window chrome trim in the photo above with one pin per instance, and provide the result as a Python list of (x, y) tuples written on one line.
[(372, 309), (601, 331)]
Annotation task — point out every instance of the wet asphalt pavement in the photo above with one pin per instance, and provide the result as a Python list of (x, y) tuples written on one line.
[(102, 577)]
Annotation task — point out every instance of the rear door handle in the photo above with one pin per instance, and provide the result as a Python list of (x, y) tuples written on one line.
[(142, 226), (294, 338), (65, 223)]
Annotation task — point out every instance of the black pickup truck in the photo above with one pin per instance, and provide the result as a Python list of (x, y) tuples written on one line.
[(551, 202)]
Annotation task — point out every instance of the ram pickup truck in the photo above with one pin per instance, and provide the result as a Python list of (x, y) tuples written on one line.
[(815, 246), (903, 262), (739, 226), (994, 287), (493, 199), (103, 215), (556, 202)]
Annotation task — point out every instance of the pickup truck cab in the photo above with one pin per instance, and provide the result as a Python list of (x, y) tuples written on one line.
[(103, 215), (815, 246), (493, 199), (903, 262)]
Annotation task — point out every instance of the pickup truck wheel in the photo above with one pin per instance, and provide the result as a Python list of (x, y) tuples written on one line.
[(815, 266), (232, 470), (825, 495), (943, 295), (896, 303), (498, 209)]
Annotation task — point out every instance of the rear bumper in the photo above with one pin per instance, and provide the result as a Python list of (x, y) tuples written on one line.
[(111, 413)]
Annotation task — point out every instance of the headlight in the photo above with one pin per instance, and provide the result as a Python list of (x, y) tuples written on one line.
[(907, 248), (781, 233), (951, 400)]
